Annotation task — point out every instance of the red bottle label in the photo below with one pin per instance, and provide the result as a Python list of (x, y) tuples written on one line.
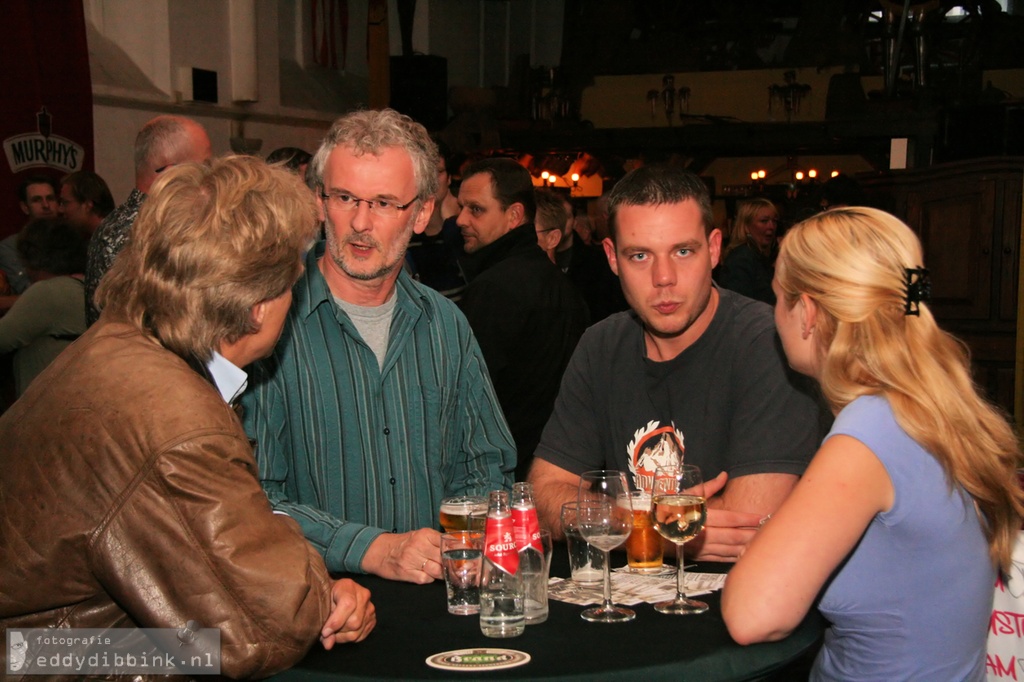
[(527, 529), (500, 544)]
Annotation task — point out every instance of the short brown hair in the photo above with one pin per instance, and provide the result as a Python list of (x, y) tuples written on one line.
[(88, 186), (510, 183), (551, 211), (657, 185), (209, 244)]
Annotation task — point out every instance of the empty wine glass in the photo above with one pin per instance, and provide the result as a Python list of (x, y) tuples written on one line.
[(678, 513), (605, 519)]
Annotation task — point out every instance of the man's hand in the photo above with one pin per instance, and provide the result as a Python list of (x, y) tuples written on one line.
[(727, 532), (414, 557), (552, 486), (725, 537), (353, 615), (715, 485)]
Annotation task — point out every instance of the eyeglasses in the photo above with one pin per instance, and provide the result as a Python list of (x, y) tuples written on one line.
[(382, 207)]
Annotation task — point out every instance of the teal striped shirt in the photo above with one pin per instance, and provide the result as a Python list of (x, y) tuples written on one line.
[(351, 450)]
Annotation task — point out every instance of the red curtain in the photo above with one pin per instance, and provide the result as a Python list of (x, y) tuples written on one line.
[(45, 97), (330, 27)]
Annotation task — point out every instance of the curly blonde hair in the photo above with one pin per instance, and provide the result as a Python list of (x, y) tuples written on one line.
[(852, 263), (209, 244), (371, 132)]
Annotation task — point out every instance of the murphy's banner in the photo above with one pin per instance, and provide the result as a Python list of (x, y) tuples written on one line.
[(46, 116), (43, 148)]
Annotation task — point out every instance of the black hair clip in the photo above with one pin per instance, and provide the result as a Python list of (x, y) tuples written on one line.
[(919, 289)]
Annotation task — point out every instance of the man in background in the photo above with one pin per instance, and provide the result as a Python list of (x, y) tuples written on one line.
[(293, 158), (85, 200), (37, 196), (584, 264), (433, 255), (551, 221), (526, 314), (162, 143)]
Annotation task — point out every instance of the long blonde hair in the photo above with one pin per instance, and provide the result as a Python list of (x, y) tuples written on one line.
[(852, 263)]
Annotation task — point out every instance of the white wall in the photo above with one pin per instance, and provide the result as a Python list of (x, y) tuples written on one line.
[(140, 51), (115, 128), (141, 29)]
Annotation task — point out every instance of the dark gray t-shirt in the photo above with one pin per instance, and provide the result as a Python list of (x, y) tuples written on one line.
[(730, 396)]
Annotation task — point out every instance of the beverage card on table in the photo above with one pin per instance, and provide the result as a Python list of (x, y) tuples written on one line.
[(632, 589)]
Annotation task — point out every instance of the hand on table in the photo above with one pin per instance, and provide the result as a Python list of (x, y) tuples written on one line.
[(414, 557), (352, 617)]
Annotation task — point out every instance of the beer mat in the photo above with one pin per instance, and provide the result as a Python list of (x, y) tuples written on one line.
[(632, 588), (477, 660)]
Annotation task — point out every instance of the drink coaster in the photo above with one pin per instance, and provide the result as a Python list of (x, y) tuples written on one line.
[(478, 659)]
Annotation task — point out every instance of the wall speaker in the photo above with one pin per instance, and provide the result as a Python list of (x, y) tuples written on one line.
[(197, 85)]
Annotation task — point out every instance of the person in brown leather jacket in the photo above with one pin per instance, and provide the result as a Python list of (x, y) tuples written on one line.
[(128, 494)]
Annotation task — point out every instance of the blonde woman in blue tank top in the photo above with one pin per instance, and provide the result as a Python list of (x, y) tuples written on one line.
[(910, 506)]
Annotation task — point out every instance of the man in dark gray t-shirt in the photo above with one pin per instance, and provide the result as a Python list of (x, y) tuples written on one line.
[(690, 363)]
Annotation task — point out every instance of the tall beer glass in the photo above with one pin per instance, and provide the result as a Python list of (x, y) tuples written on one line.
[(467, 512)]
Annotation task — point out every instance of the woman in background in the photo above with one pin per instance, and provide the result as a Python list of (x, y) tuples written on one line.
[(911, 504), (749, 259), (50, 314)]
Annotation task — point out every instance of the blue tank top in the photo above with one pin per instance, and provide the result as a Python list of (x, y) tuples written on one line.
[(914, 598)]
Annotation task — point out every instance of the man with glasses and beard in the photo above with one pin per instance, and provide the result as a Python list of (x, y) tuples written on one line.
[(376, 403)]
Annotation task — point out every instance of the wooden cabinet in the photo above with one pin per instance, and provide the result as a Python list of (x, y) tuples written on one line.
[(954, 222), (968, 216)]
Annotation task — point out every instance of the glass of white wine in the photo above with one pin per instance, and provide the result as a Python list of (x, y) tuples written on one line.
[(678, 513), (605, 520)]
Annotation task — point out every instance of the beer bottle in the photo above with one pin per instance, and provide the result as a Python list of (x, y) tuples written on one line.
[(531, 553), (501, 585)]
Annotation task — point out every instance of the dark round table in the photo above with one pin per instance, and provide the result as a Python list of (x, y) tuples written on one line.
[(413, 623)]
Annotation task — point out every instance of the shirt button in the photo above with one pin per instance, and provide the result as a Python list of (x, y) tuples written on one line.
[(387, 431), (392, 480)]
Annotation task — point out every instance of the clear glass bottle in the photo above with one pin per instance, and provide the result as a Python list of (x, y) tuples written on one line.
[(501, 585), (532, 565)]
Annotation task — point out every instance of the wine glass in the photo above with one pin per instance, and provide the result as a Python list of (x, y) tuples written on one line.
[(678, 513), (605, 520)]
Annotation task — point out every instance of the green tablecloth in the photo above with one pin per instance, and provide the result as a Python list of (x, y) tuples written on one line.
[(413, 623)]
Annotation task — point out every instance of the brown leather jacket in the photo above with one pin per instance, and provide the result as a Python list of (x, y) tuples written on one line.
[(129, 498)]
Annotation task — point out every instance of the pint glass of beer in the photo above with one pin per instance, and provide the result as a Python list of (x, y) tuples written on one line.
[(644, 553), (463, 513)]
